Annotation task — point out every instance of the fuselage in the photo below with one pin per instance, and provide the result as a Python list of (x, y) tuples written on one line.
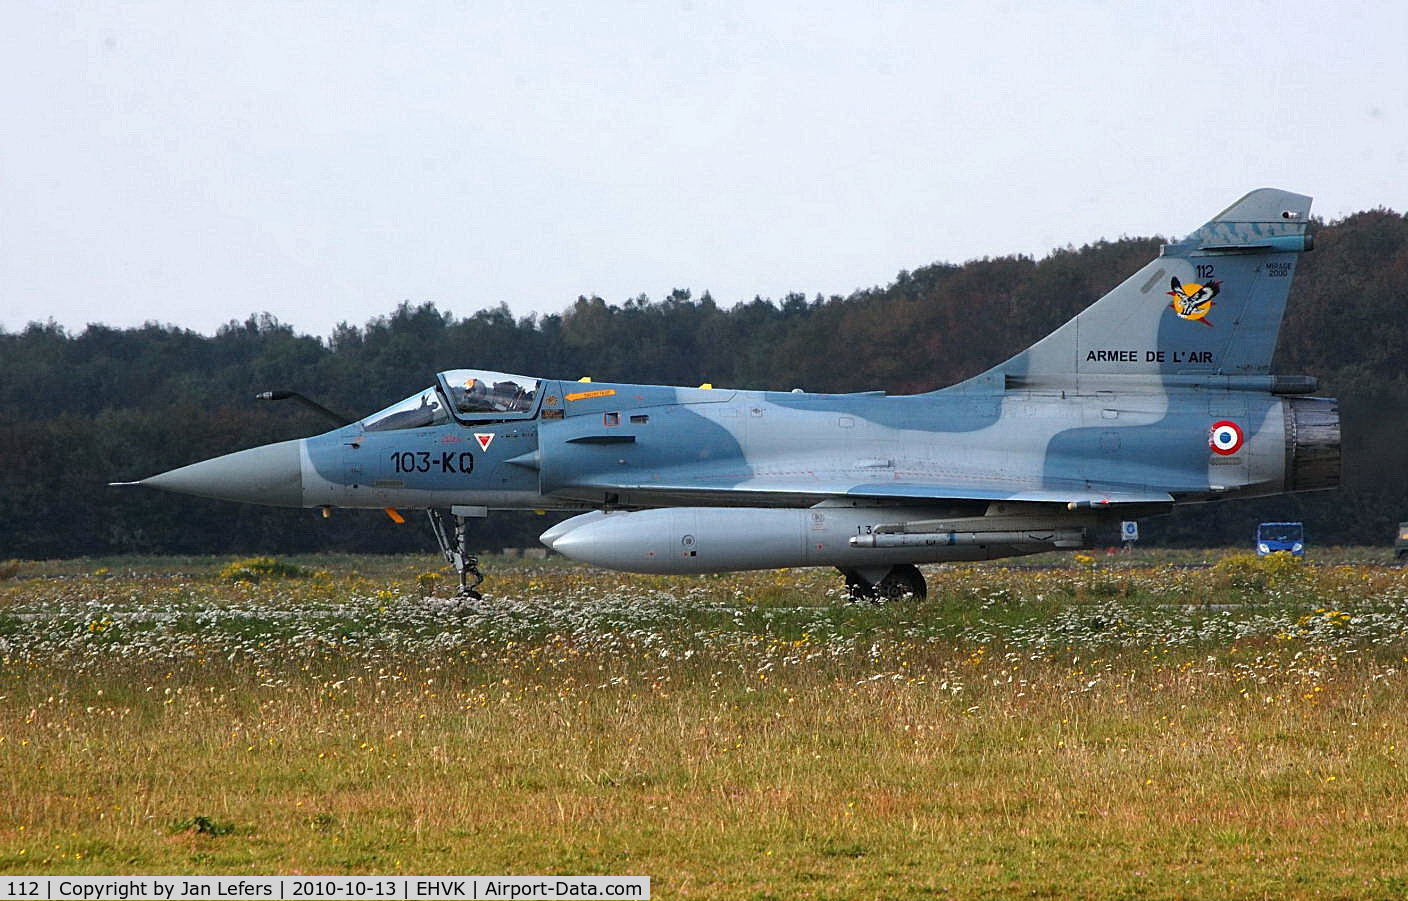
[(584, 446)]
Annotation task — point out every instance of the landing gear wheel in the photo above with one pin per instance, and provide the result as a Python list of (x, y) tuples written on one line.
[(904, 580), (858, 589), (901, 581)]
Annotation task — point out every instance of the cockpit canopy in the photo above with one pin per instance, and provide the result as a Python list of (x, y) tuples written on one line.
[(416, 411), (473, 395), (475, 392)]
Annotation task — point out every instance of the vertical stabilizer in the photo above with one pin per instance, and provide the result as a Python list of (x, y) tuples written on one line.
[(1208, 305)]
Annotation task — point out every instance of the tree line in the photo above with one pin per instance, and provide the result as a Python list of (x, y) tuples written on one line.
[(78, 410)]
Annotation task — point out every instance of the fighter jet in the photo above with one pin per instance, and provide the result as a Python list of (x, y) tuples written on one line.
[(1136, 405)]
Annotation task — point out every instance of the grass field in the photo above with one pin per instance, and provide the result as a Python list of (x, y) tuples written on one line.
[(1110, 729)]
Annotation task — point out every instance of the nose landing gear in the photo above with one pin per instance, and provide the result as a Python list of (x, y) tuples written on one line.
[(454, 544)]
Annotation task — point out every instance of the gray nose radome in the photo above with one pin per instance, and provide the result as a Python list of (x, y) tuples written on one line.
[(272, 474)]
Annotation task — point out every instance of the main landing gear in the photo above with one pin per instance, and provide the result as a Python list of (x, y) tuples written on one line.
[(880, 584), (454, 544)]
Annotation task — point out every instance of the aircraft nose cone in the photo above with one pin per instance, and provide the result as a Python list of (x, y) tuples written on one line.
[(272, 474)]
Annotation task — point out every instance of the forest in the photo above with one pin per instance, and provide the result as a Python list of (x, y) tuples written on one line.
[(78, 410)]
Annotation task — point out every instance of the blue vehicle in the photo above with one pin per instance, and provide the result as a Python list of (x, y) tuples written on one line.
[(1272, 537)]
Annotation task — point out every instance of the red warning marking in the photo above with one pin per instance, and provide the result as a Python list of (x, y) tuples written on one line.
[(485, 439)]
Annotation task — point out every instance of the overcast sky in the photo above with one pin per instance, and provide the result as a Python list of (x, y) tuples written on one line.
[(191, 163)]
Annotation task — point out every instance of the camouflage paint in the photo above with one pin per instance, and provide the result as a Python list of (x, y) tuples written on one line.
[(1113, 408)]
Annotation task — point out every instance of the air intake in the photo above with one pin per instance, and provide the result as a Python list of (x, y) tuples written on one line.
[(1312, 443)]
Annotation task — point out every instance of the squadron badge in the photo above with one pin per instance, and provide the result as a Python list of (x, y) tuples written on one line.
[(1193, 301)]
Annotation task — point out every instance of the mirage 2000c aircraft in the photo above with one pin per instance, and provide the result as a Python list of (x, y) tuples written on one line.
[(1158, 394)]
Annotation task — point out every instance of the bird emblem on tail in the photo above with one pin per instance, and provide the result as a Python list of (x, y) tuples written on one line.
[(1193, 301)]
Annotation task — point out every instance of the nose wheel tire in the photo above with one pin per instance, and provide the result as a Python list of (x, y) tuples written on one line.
[(901, 581)]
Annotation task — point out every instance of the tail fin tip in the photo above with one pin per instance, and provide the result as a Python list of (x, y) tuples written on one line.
[(1267, 205)]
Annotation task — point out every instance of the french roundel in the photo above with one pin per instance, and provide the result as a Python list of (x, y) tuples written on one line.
[(1225, 437)]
